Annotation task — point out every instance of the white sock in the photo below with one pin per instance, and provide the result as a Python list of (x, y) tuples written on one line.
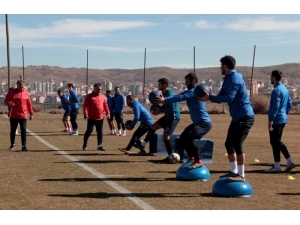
[(112, 131), (124, 131), (241, 170), (277, 165), (289, 161), (144, 143), (233, 167), (120, 132)]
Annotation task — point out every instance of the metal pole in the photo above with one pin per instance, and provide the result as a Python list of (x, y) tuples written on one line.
[(87, 71), (8, 56), (144, 83), (252, 73), (194, 60), (23, 62)]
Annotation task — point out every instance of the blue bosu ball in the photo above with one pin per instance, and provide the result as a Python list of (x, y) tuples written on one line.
[(153, 95), (225, 188), (198, 174)]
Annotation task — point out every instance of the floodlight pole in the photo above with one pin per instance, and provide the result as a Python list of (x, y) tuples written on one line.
[(23, 63), (87, 71), (252, 74), (194, 60), (8, 56), (144, 83)]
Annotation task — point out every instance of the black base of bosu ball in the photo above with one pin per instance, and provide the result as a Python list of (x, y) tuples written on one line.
[(226, 188)]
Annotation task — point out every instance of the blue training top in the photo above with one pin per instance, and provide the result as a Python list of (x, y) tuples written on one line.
[(197, 109), (140, 114), (73, 98), (119, 103), (234, 92), (65, 105), (280, 104)]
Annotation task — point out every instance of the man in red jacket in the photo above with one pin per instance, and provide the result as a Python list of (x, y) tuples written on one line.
[(18, 100), (94, 106)]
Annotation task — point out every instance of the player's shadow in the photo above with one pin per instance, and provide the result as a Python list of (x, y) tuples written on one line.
[(97, 161), (79, 179), (88, 154), (105, 195), (289, 193)]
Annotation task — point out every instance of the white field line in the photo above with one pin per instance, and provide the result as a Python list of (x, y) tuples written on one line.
[(101, 176)]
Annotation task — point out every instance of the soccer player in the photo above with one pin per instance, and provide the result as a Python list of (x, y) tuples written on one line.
[(280, 106), (168, 122), (119, 104), (66, 117), (110, 121), (140, 114), (93, 108), (73, 101), (20, 106), (201, 120), (234, 92)]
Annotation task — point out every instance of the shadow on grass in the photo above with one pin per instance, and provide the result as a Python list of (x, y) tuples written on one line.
[(105, 195), (89, 154), (133, 179), (97, 161), (289, 193)]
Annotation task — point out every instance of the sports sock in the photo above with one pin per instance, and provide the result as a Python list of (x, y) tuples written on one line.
[(289, 161), (277, 165), (144, 143), (233, 167), (120, 132), (168, 146), (241, 170)]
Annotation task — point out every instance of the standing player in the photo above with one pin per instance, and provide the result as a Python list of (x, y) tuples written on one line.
[(66, 106), (168, 122), (20, 106), (119, 105), (201, 120), (280, 106), (93, 108), (140, 114), (234, 92), (110, 121), (73, 101)]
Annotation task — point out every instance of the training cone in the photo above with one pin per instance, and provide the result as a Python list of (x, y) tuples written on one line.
[(290, 178), (225, 154), (256, 160)]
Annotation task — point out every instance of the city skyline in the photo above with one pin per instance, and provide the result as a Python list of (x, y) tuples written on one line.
[(120, 40)]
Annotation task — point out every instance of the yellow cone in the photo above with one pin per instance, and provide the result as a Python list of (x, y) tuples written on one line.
[(256, 160), (225, 154), (290, 178)]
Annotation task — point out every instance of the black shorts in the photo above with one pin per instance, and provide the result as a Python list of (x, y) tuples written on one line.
[(167, 124), (67, 113)]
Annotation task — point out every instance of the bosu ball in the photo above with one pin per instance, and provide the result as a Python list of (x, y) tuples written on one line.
[(225, 188), (198, 174)]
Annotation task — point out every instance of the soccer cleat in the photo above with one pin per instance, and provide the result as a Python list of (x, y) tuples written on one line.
[(236, 178), (289, 167), (100, 148), (122, 149), (152, 153), (74, 133), (190, 160), (84, 147), (12, 147), (139, 146), (230, 174), (24, 148), (65, 131), (123, 135), (273, 170), (142, 152), (195, 165)]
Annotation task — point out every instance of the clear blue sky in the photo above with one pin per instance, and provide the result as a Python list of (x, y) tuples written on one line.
[(116, 37)]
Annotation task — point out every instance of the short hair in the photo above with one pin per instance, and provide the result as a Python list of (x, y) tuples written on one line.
[(163, 81), (59, 91), (71, 85), (130, 97), (97, 85), (108, 91), (229, 61), (117, 87), (277, 74), (20, 82), (191, 77)]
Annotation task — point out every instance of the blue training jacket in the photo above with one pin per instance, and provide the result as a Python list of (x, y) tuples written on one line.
[(119, 103), (73, 98), (234, 92), (110, 103), (197, 109), (140, 114), (280, 104), (65, 105)]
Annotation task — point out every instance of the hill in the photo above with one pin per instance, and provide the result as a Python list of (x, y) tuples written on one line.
[(291, 71)]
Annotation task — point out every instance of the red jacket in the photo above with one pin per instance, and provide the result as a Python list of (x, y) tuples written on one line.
[(22, 104), (94, 106)]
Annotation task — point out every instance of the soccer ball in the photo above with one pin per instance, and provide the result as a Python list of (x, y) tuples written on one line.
[(174, 158)]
